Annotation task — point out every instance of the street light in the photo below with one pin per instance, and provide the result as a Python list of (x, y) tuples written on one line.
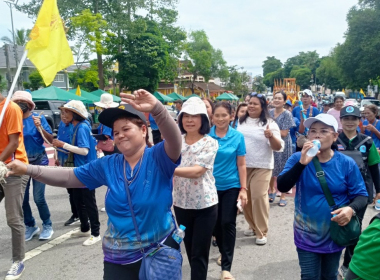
[(11, 3)]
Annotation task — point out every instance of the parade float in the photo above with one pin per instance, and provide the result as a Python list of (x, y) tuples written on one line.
[(289, 86)]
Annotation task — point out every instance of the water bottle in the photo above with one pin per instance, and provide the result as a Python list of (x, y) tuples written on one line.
[(176, 238), (314, 150), (377, 205)]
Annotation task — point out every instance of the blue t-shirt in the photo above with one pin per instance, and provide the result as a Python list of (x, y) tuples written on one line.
[(65, 134), (294, 129), (231, 146), (296, 112), (34, 143), (84, 139), (376, 140), (105, 130), (151, 194), (312, 213), (153, 124)]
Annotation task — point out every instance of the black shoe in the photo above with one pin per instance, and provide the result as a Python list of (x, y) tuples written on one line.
[(71, 221)]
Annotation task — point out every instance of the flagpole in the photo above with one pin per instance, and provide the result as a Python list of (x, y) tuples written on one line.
[(10, 93)]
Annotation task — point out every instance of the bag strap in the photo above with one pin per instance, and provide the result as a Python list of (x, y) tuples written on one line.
[(341, 142), (70, 157), (322, 180), (362, 142), (131, 209)]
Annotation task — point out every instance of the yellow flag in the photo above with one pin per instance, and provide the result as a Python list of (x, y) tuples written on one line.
[(48, 48), (362, 92), (343, 91), (78, 92)]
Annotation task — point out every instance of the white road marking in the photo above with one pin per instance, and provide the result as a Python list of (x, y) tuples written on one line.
[(49, 149), (60, 239), (50, 155)]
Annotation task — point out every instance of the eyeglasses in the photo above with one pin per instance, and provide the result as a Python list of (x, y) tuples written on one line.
[(255, 94), (323, 132)]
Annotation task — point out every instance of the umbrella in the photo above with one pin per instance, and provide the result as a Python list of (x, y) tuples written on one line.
[(87, 95), (99, 92), (176, 96), (226, 96), (54, 93), (163, 98), (193, 95)]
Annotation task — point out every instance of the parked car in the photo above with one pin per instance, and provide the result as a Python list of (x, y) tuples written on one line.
[(366, 102), (50, 109)]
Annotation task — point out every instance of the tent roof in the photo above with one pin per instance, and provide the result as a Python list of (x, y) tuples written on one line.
[(54, 93), (99, 92), (193, 95), (163, 98), (176, 96), (226, 96), (87, 95)]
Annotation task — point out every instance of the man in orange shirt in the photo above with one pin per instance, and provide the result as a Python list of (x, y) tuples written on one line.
[(12, 191)]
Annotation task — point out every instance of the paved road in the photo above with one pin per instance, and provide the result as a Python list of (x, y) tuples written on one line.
[(70, 260)]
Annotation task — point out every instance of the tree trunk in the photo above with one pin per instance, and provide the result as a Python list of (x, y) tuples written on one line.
[(100, 71)]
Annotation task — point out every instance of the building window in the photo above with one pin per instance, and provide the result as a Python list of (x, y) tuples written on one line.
[(59, 78)]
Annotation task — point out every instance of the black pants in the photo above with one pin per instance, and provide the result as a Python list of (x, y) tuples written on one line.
[(199, 226), (121, 272), (156, 136), (72, 204), (349, 252), (85, 202), (225, 228)]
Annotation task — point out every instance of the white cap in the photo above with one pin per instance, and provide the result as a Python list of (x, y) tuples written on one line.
[(323, 118), (76, 106), (194, 106), (106, 101), (308, 92)]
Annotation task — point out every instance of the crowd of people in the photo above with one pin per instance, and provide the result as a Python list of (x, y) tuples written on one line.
[(210, 162)]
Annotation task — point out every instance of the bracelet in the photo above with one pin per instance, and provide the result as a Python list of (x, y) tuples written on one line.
[(243, 189)]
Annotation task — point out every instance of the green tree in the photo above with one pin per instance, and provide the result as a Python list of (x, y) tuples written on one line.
[(86, 78), (329, 73), (271, 64), (3, 83), (302, 75), (276, 75), (35, 81), (21, 37), (309, 59), (237, 81), (258, 84)]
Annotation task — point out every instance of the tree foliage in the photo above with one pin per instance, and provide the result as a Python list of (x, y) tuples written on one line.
[(35, 81), (276, 75), (237, 82), (258, 84), (271, 64), (302, 75), (329, 73), (86, 78), (21, 37)]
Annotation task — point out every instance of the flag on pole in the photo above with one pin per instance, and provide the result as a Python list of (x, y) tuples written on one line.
[(78, 92), (362, 92), (48, 48)]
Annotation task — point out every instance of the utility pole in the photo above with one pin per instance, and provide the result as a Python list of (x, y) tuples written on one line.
[(9, 74)]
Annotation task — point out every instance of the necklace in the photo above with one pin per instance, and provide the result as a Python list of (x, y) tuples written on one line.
[(135, 175)]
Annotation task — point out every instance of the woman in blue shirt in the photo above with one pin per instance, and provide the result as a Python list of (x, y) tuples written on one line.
[(371, 126), (35, 149), (318, 255), (82, 145), (148, 171), (230, 181)]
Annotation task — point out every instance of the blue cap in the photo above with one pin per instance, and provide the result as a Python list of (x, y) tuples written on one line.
[(182, 227), (288, 103)]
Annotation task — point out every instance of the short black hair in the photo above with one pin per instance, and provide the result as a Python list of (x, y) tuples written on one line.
[(77, 117), (205, 126)]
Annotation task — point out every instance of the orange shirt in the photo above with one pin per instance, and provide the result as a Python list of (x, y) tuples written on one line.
[(12, 124)]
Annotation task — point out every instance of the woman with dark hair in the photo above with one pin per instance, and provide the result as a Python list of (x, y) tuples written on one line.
[(262, 137), (209, 107), (335, 112), (82, 146), (371, 126), (240, 111), (195, 197), (148, 172), (285, 122), (230, 179)]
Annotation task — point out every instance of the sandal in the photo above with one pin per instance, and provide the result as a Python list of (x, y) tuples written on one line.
[(282, 203), (272, 197), (226, 275)]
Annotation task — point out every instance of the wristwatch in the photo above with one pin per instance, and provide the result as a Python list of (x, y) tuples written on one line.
[(353, 212)]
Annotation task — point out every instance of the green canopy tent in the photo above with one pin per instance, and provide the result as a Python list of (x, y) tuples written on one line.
[(54, 93), (234, 96), (193, 95), (226, 96), (176, 96), (99, 92), (87, 95), (162, 98)]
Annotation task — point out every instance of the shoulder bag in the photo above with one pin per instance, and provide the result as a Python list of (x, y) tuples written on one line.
[(107, 145), (342, 235), (160, 262), (70, 159)]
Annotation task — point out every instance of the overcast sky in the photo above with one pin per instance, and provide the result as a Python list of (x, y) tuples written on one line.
[(248, 31)]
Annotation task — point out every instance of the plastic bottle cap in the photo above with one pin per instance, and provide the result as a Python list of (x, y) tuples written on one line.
[(182, 227)]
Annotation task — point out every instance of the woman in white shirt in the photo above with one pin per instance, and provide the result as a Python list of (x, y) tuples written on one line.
[(262, 137), (195, 197)]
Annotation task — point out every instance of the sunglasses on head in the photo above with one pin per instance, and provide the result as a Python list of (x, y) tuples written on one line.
[(255, 94)]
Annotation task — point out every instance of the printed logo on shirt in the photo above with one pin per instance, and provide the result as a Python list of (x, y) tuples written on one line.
[(340, 147), (363, 149), (349, 109)]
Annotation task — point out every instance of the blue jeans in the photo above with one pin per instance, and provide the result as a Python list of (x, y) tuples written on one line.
[(39, 199), (315, 266)]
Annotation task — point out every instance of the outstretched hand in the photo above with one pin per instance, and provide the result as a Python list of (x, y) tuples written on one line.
[(16, 168), (141, 100)]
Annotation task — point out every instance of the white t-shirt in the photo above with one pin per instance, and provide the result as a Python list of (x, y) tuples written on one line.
[(259, 152), (201, 192)]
